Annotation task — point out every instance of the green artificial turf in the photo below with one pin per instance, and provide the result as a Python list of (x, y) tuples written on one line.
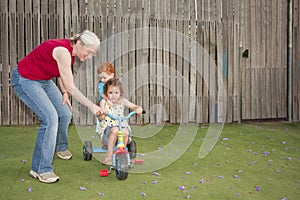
[(249, 161)]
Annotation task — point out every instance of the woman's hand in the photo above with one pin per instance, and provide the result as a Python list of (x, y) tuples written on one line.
[(65, 99)]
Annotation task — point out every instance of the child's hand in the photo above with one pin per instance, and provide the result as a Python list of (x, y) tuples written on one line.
[(139, 110)]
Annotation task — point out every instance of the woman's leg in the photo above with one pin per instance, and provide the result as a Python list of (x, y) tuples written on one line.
[(64, 116), (32, 93)]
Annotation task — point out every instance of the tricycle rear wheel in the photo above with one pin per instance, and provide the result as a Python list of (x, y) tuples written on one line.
[(132, 149), (87, 150)]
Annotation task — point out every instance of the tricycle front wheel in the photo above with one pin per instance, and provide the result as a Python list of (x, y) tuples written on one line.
[(121, 166)]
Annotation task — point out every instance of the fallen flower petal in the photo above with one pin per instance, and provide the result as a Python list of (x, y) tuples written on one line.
[(155, 182), (201, 181), (155, 173), (220, 176), (100, 194), (24, 161), (237, 194), (188, 196), (257, 188), (181, 187), (187, 173), (235, 176), (225, 139), (143, 194), (29, 189), (82, 188)]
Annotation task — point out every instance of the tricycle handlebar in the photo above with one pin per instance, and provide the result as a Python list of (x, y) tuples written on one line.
[(125, 117)]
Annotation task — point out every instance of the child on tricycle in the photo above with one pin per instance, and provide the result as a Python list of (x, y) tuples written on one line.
[(113, 90)]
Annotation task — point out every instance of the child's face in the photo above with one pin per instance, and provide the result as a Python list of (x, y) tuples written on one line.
[(104, 77), (113, 93)]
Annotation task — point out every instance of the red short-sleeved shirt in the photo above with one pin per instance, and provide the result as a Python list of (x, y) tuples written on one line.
[(39, 64)]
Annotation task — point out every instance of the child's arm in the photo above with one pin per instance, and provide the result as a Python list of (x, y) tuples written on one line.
[(138, 109)]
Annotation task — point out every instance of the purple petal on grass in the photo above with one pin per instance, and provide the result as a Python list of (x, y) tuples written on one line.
[(187, 173), (194, 186), (24, 161), (159, 148), (235, 176), (277, 171), (283, 198), (237, 194), (82, 188), (155, 174), (257, 188), (29, 189), (225, 139), (201, 181), (283, 142), (100, 194), (21, 180), (288, 158), (220, 176), (155, 182), (188, 196), (181, 187), (143, 194)]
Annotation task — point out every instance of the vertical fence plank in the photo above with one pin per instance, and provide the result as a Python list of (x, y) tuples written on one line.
[(166, 60), (296, 62), (173, 99), (14, 103), (193, 63), (132, 54), (5, 62), (153, 43), (186, 63), (245, 64)]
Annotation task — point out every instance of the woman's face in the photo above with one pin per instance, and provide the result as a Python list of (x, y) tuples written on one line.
[(113, 93), (84, 52)]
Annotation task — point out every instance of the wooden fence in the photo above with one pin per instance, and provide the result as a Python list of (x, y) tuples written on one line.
[(183, 61)]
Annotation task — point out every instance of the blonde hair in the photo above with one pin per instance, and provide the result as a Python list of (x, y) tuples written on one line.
[(87, 38)]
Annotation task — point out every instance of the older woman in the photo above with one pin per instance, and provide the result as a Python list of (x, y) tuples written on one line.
[(31, 81)]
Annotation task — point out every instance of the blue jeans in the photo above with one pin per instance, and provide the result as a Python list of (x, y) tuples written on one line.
[(44, 98)]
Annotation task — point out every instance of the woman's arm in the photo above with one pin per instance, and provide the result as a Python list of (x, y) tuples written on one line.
[(65, 95), (63, 59)]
